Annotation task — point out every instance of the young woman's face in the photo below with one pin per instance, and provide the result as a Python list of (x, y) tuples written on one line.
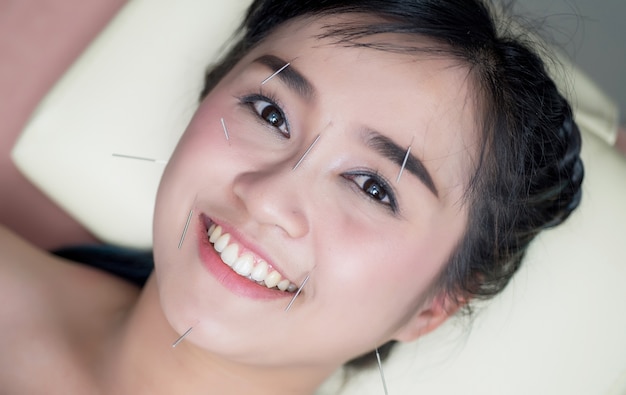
[(305, 174)]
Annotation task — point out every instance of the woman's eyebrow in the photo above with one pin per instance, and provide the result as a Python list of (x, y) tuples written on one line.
[(395, 153), (289, 75)]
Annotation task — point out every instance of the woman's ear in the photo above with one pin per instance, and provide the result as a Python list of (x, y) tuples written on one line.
[(429, 317)]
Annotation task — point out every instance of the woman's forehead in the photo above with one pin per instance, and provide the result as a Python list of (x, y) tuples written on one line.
[(397, 61), (414, 96)]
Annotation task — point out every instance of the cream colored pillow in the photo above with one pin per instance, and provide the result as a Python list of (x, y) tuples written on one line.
[(132, 93), (560, 328)]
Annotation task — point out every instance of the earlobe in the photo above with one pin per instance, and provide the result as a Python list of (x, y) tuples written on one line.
[(429, 318)]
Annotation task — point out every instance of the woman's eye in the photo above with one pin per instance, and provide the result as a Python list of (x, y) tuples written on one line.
[(272, 114), (374, 188)]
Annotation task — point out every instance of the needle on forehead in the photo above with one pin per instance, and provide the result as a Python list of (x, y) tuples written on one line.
[(382, 373), (225, 130), (307, 152), (140, 158), (406, 158), (182, 237), (306, 279), (265, 81), (180, 339)]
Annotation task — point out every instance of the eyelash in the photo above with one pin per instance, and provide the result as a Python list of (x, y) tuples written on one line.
[(253, 101), (368, 182), (376, 183)]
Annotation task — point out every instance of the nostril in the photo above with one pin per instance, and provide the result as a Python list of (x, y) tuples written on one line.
[(274, 200)]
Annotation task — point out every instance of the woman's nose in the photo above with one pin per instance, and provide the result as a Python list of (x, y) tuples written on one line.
[(275, 197)]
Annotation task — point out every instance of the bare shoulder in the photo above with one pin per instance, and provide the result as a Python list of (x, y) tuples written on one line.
[(54, 313), (21, 261), (37, 282), (12, 246), (20, 278)]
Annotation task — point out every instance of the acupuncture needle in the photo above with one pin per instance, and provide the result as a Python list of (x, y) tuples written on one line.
[(306, 279), (225, 130), (307, 152), (161, 161), (406, 158), (182, 237), (180, 339), (382, 373), (268, 79)]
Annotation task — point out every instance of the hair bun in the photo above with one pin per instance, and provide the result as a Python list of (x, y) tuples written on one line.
[(556, 187), (571, 170)]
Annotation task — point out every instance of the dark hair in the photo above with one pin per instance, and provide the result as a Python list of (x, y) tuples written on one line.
[(528, 173)]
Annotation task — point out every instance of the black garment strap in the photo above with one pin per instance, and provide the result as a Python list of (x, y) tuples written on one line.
[(134, 266)]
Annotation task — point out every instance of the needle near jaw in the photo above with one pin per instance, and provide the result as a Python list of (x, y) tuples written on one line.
[(180, 339)]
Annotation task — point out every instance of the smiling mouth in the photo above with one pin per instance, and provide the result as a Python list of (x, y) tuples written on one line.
[(245, 263)]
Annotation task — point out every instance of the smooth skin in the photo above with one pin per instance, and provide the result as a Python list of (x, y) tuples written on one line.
[(39, 40), (341, 216)]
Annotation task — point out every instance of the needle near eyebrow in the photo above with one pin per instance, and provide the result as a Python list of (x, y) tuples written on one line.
[(306, 279), (139, 158), (265, 81), (307, 152), (382, 374), (406, 158), (182, 238)]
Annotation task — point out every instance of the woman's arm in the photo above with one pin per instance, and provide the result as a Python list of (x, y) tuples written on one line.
[(39, 40)]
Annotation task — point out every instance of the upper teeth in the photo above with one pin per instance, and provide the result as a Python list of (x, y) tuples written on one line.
[(246, 264)]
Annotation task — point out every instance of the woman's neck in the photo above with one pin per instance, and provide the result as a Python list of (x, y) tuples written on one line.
[(141, 359)]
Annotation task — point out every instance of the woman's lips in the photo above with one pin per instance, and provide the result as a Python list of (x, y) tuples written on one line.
[(238, 269)]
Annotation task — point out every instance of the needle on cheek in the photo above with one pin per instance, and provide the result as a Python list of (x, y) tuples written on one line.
[(161, 161), (382, 373), (265, 81), (306, 279), (307, 152), (225, 130), (180, 339), (182, 237)]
